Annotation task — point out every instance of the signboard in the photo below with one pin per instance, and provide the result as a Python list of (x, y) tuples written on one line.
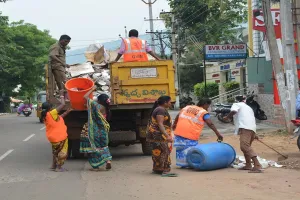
[(143, 73), (241, 63), (235, 73), (225, 67), (226, 51), (259, 22)]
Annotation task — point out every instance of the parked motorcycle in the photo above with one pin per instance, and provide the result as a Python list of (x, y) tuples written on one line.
[(27, 112), (296, 122), (258, 113), (186, 101), (222, 110)]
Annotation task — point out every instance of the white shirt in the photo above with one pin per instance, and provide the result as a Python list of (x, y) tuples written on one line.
[(244, 118)]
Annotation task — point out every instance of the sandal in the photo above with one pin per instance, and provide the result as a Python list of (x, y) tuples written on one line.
[(256, 171), (169, 175), (245, 168), (61, 170), (108, 166)]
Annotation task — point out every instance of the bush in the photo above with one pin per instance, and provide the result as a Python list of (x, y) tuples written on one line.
[(232, 85), (212, 90)]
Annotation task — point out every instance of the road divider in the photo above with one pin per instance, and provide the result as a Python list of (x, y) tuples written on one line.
[(6, 154), (28, 138)]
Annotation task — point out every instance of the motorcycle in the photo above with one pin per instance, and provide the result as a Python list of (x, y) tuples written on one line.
[(222, 110), (258, 113), (296, 122), (186, 101), (27, 112)]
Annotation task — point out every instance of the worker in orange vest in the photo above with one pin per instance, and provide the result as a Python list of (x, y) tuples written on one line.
[(134, 49), (188, 126)]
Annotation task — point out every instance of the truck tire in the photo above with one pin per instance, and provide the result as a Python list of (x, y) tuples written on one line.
[(298, 142), (146, 147)]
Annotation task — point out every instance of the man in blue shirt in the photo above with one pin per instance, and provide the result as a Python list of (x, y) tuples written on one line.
[(298, 103)]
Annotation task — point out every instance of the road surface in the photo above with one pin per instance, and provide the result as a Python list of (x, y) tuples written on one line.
[(25, 158)]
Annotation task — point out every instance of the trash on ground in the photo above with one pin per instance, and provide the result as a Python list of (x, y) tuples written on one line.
[(240, 162)]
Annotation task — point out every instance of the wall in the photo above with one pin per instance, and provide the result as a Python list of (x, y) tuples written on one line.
[(260, 71)]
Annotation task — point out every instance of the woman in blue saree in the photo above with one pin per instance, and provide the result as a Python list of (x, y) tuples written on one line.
[(94, 136)]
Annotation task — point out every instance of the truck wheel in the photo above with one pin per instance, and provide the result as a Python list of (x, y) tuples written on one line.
[(146, 147), (298, 142)]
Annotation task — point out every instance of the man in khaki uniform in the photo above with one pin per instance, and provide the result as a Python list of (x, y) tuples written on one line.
[(57, 59)]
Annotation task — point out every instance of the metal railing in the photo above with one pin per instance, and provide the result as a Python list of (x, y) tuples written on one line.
[(228, 96)]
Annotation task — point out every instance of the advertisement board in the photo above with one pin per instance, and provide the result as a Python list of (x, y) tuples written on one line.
[(226, 51)]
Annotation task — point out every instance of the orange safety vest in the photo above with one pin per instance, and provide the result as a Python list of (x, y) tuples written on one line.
[(135, 50), (190, 122), (56, 131)]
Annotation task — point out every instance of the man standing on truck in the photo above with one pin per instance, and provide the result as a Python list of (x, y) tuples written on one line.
[(57, 61), (134, 49)]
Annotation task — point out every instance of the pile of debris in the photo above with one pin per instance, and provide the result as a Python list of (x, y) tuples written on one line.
[(240, 162), (96, 69)]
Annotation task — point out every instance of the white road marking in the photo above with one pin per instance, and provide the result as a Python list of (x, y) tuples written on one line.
[(6, 154), (43, 128), (28, 138)]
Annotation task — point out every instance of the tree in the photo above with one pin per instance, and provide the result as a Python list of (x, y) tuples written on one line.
[(201, 22), (23, 54), (190, 70)]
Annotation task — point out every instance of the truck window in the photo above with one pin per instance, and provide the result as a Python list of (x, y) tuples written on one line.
[(42, 98)]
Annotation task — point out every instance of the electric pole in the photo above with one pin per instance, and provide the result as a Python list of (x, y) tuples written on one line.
[(126, 34), (161, 41), (296, 9), (275, 57), (289, 57), (150, 3), (174, 57)]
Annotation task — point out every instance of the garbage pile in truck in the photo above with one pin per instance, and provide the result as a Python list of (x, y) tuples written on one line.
[(96, 68)]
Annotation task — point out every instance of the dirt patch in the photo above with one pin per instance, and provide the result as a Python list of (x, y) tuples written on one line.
[(277, 140), (291, 163)]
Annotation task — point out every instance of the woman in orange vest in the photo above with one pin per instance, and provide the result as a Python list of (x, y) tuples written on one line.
[(134, 49), (159, 134), (188, 126), (56, 132)]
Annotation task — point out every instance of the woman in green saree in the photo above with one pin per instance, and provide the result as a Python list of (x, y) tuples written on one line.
[(94, 136)]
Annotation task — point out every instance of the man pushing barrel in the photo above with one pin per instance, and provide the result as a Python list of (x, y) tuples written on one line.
[(246, 128)]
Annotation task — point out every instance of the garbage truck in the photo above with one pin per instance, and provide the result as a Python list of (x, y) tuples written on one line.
[(134, 87)]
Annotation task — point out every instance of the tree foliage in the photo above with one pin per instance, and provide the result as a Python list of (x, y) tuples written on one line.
[(201, 22), (231, 85), (23, 54), (212, 90)]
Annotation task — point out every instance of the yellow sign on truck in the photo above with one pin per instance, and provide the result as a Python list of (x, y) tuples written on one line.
[(135, 86)]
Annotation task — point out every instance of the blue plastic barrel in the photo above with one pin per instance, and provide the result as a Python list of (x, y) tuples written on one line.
[(211, 156)]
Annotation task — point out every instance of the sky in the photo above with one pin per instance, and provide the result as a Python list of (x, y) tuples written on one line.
[(86, 21)]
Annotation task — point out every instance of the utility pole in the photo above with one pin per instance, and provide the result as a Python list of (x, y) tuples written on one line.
[(174, 57), (125, 32), (275, 57), (161, 41), (150, 3), (296, 11), (289, 57)]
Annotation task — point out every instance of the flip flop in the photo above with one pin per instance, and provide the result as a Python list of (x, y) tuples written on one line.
[(108, 166), (245, 168), (169, 175), (256, 171), (61, 170), (95, 170)]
